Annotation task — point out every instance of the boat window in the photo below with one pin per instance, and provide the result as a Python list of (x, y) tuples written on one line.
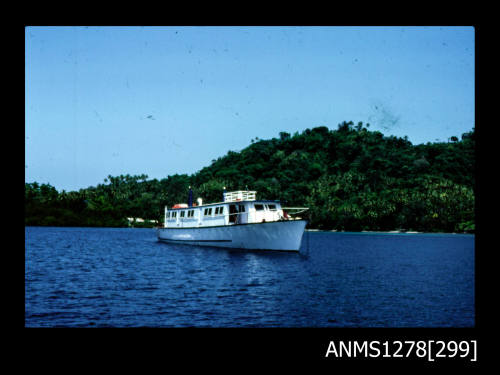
[(221, 210), (217, 209), (174, 214), (272, 207), (182, 213), (242, 208), (209, 211), (168, 215), (259, 207)]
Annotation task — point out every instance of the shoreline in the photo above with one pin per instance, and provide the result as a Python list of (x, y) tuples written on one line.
[(381, 232), (305, 230)]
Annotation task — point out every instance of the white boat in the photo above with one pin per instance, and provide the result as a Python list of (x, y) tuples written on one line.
[(239, 221)]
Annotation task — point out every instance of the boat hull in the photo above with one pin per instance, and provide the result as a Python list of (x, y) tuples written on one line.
[(276, 235)]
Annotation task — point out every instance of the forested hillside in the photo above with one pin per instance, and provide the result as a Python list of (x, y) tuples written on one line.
[(351, 178)]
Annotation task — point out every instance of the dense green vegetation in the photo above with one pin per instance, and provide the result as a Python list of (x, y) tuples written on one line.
[(351, 178)]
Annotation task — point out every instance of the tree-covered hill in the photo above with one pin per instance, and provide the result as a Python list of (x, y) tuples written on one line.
[(351, 178)]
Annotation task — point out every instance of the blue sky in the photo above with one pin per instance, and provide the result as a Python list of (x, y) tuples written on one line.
[(163, 100)]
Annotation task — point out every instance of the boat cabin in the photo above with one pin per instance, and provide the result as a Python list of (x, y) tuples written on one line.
[(238, 207)]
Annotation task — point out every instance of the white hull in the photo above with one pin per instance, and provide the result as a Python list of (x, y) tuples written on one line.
[(277, 235)]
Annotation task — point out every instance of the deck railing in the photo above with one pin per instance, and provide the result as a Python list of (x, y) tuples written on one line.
[(241, 195), (289, 213)]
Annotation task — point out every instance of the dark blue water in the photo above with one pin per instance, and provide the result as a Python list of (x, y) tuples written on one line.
[(93, 277)]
